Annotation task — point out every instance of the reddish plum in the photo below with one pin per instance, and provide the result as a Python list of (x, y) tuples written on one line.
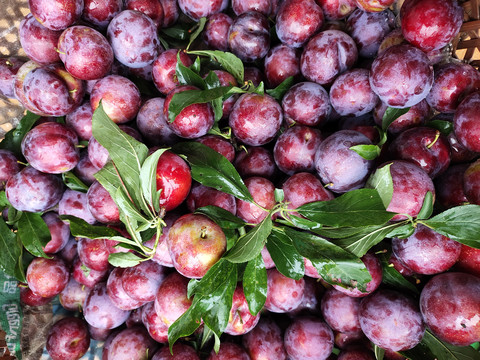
[(68, 339), (415, 116), (256, 119), (132, 344), (302, 188), (141, 282), (152, 8), (465, 122), (86, 276), (117, 294), (171, 300), (241, 320), (281, 62), (196, 9), (263, 193), (73, 296), (265, 341), (9, 166), (163, 71), (255, 161), (340, 311), (152, 123), (100, 12), (216, 31), (56, 14), (59, 233), (101, 204), (306, 103), (219, 144), (80, 120), (391, 320), (47, 277), (180, 352), (283, 294), (201, 195), (229, 351), (326, 55), (156, 328), (262, 6), (337, 9)]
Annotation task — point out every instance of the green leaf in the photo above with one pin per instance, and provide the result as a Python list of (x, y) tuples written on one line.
[(227, 60), (212, 169), (212, 81), (379, 352), (402, 232), (148, 180), (187, 76), (427, 208), (445, 127), (431, 348), (3, 200), (126, 153), (10, 255), (179, 31), (198, 28), (223, 218), (392, 278), (279, 195), (301, 223), (34, 233), (391, 114), (108, 177), (334, 264), (73, 182), (343, 232), (186, 98), (355, 208), (281, 89), (185, 325), (126, 208), (255, 284), (381, 180), (207, 334), (251, 244), (285, 256), (368, 152), (13, 138), (360, 243), (196, 66), (124, 259), (80, 228), (459, 223)]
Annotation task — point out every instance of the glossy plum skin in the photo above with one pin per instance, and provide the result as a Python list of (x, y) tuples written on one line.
[(255, 119), (59, 232), (283, 294), (241, 320), (426, 251), (341, 168), (450, 186), (68, 339), (410, 185), (100, 13), (263, 193), (73, 295), (351, 94), (196, 9), (117, 293), (156, 328), (51, 148), (453, 82), (450, 307), (326, 55), (219, 144), (44, 190), (85, 52), (38, 42), (80, 120), (201, 195), (430, 24), (142, 281), (194, 120), (471, 186), (171, 300), (131, 344), (465, 122), (216, 31), (368, 29), (152, 123), (295, 149), (297, 21), (308, 338), (391, 320), (56, 14), (101, 204), (47, 277), (280, 63), (425, 147), (401, 64), (469, 261), (86, 276), (341, 311), (163, 70), (306, 103), (195, 243), (265, 341), (374, 269), (93, 253), (302, 188), (262, 6), (152, 8), (415, 116), (28, 297), (120, 98), (9, 166), (133, 36), (249, 36), (337, 9), (255, 161), (173, 177)]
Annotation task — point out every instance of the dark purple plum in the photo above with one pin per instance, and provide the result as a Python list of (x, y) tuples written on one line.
[(449, 186), (68, 338), (280, 63), (152, 8), (99, 13), (180, 351), (201, 195), (255, 161), (196, 9), (80, 120), (465, 122), (262, 6), (216, 31), (9, 166), (415, 116), (229, 351), (171, 12)]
